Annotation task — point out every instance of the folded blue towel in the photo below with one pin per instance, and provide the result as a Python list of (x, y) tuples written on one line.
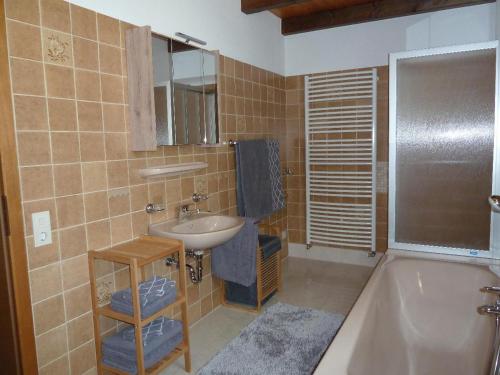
[(160, 337), (129, 363), (154, 294), (153, 334)]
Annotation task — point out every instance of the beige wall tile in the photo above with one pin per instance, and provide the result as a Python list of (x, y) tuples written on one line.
[(73, 241), (187, 187), (77, 301), (51, 345), (69, 210), (42, 256), (85, 53), (112, 88), (92, 146), (108, 30), (48, 314), (65, 147), (23, 10), (36, 182), (67, 179), (133, 170), (99, 235), (87, 85), (110, 59), (24, 40), (116, 146), (139, 197), (96, 206), (122, 279), (194, 313), (114, 117), (34, 148), (60, 82), (94, 176), (55, 15), (75, 272), (117, 174), (31, 113), (27, 77), (83, 22), (82, 359), (121, 229), (45, 282), (89, 116), (59, 367), (139, 223), (62, 114), (206, 305), (80, 331), (119, 201)]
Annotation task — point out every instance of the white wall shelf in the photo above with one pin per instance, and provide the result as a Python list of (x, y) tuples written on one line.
[(171, 170)]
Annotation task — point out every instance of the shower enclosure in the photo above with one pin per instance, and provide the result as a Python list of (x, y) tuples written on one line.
[(443, 150)]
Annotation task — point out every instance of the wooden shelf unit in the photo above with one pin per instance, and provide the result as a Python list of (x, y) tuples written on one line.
[(137, 254)]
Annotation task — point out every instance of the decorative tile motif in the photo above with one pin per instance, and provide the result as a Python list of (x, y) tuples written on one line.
[(57, 48), (104, 292)]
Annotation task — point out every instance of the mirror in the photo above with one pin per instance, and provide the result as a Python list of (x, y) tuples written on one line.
[(185, 93)]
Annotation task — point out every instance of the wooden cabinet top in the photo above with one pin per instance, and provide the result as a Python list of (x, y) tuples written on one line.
[(144, 250)]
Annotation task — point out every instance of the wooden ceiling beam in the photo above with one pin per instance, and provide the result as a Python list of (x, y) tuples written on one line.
[(255, 6), (374, 11)]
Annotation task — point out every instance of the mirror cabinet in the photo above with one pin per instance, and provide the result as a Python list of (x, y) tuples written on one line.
[(173, 95)]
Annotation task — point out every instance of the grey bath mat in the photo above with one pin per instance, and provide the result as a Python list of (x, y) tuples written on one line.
[(285, 339)]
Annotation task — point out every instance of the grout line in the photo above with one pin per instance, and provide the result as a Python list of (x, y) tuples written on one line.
[(105, 151)]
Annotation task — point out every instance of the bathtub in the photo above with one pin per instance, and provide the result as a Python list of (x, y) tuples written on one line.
[(417, 316)]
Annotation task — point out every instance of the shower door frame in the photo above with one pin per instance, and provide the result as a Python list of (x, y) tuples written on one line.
[(494, 251)]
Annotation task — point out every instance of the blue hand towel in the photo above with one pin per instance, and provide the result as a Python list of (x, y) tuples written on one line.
[(253, 183), (236, 259)]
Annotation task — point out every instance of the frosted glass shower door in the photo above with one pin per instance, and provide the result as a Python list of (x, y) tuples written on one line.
[(442, 150)]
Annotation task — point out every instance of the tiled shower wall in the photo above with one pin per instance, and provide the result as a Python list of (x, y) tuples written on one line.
[(69, 86), (295, 121)]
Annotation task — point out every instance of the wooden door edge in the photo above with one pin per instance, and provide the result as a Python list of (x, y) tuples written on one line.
[(17, 249)]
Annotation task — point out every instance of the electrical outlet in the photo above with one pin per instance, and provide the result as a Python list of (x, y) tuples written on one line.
[(42, 231)]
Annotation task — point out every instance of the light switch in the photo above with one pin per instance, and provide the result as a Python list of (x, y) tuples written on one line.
[(42, 232)]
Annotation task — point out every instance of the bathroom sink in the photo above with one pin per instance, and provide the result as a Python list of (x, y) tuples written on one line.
[(199, 231)]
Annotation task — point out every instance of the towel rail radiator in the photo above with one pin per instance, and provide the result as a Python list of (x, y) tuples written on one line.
[(341, 157)]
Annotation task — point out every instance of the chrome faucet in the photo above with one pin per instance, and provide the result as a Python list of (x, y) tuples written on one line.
[(199, 197), (184, 211), (154, 207), (493, 310)]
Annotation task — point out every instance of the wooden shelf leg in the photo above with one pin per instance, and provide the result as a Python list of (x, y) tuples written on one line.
[(95, 316), (184, 314), (134, 282)]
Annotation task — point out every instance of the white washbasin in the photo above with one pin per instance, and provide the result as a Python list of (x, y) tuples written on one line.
[(199, 231)]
